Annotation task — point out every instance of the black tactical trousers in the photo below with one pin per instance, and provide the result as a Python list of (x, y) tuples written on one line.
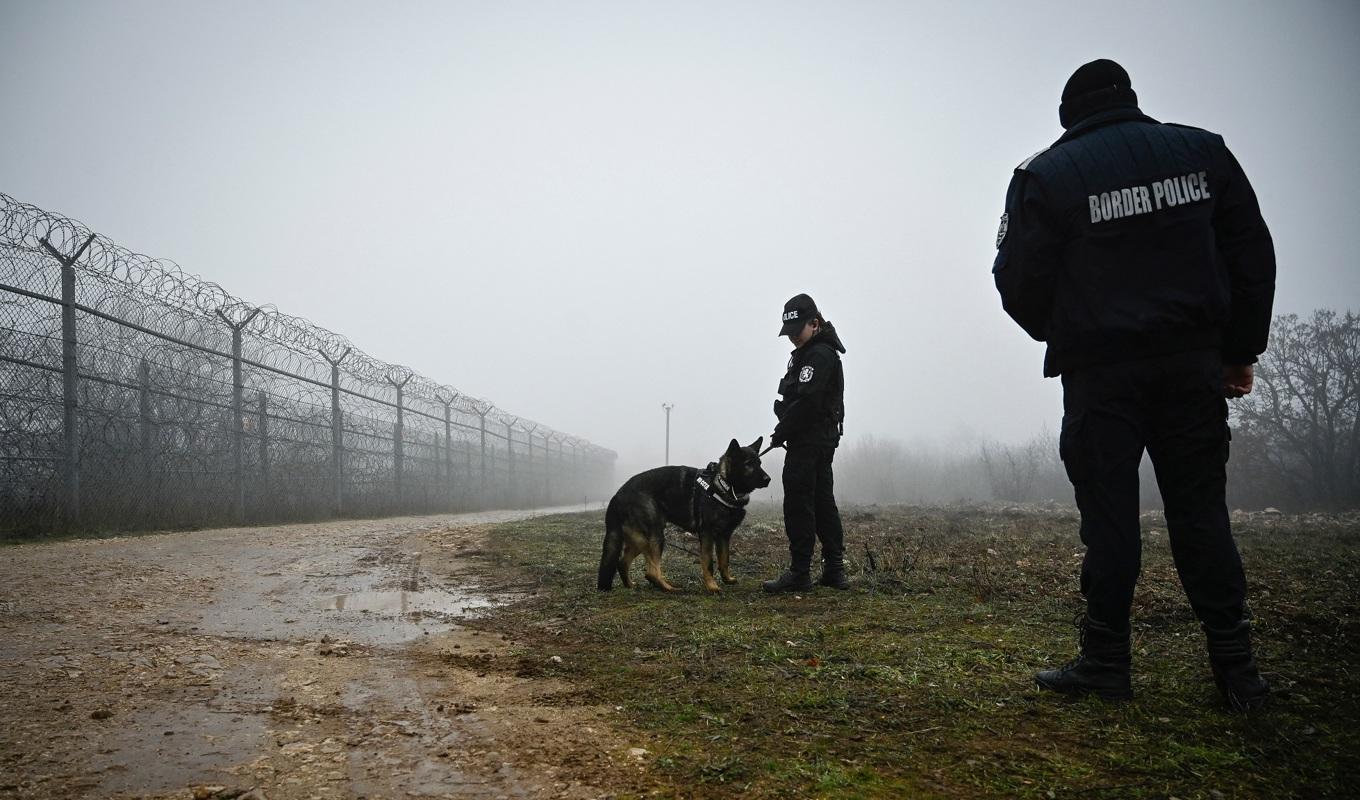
[(1173, 407), (810, 511)]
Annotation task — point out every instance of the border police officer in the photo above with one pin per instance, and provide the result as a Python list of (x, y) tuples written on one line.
[(1137, 251), (810, 414)]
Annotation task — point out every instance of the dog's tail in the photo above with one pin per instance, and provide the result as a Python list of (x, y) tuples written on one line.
[(613, 547)]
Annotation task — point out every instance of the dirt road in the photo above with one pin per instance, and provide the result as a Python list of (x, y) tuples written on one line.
[(302, 661)]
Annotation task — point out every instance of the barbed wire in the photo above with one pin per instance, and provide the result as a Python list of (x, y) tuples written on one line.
[(172, 383)]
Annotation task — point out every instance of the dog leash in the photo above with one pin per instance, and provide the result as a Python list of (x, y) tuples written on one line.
[(768, 449)]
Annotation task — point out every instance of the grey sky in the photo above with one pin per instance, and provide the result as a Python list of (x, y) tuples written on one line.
[(580, 210)]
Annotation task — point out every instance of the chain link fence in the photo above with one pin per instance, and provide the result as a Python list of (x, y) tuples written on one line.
[(134, 395)]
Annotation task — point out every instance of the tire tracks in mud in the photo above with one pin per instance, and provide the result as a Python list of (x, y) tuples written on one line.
[(323, 660)]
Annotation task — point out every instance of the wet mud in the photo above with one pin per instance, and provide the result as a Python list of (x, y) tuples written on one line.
[(331, 660)]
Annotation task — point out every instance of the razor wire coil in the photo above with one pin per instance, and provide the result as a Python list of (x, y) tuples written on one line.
[(147, 396)]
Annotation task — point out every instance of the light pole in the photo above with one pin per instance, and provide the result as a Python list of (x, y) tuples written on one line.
[(667, 408)]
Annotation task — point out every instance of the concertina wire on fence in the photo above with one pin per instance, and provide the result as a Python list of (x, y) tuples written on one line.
[(134, 395)]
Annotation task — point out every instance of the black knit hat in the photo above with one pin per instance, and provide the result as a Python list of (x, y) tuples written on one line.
[(1095, 86)]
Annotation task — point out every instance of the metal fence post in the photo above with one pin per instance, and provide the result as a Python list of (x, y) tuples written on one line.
[(448, 448), (337, 434), (238, 412), (397, 449), (530, 485), (576, 483), (562, 460), (70, 395), (547, 467), (70, 384), (147, 438), (482, 414), (264, 453), (510, 463), (438, 463)]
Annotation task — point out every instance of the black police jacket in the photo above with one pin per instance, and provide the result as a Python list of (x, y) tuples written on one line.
[(812, 407), (1130, 238)]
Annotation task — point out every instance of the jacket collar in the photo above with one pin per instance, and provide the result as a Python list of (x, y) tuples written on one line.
[(1101, 119)]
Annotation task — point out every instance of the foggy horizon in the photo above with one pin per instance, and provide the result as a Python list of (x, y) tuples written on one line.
[(581, 212)]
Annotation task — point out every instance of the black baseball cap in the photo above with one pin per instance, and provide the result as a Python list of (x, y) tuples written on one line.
[(797, 312)]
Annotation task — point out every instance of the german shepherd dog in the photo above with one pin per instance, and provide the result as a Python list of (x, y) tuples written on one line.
[(709, 503)]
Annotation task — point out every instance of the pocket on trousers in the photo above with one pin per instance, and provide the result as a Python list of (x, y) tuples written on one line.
[(1071, 448)]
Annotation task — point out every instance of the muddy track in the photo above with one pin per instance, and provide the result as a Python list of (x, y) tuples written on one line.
[(322, 660)]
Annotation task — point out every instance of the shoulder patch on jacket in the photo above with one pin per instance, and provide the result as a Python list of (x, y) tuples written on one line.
[(1025, 164)]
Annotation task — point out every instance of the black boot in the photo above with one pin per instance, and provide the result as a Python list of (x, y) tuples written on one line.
[(1102, 668), (1234, 667), (793, 580), (833, 575)]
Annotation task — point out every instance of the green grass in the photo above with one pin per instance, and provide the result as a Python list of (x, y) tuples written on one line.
[(918, 681)]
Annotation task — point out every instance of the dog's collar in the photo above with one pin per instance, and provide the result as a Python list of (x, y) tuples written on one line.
[(719, 489)]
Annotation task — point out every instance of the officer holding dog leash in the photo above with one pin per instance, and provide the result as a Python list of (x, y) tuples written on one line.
[(810, 415)]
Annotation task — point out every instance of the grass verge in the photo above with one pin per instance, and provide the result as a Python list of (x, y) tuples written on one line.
[(918, 681)]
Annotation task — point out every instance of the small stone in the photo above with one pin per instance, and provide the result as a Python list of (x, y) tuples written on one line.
[(637, 752), (101, 713)]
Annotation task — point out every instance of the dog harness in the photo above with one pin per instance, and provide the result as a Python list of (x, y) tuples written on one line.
[(713, 485)]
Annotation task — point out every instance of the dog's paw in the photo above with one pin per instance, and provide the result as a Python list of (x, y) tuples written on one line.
[(713, 588), (729, 580)]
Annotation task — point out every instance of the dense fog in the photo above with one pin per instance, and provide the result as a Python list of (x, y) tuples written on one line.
[(585, 210)]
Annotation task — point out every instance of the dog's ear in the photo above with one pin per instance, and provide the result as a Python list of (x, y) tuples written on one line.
[(732, 446), (757, 443)]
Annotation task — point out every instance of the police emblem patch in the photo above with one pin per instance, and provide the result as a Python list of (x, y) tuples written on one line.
[(805, 374), (1001, 232)]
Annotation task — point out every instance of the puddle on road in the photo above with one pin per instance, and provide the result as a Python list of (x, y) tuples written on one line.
[(436, 602), (391, 617), (367, 617)]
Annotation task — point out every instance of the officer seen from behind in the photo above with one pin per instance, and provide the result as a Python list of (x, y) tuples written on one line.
[(1136, 250), (810, 414)]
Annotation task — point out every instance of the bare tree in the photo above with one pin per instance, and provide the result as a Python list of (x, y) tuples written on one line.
[(1300, 428)]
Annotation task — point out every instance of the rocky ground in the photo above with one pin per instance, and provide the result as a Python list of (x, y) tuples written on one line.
[(329, 660)]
